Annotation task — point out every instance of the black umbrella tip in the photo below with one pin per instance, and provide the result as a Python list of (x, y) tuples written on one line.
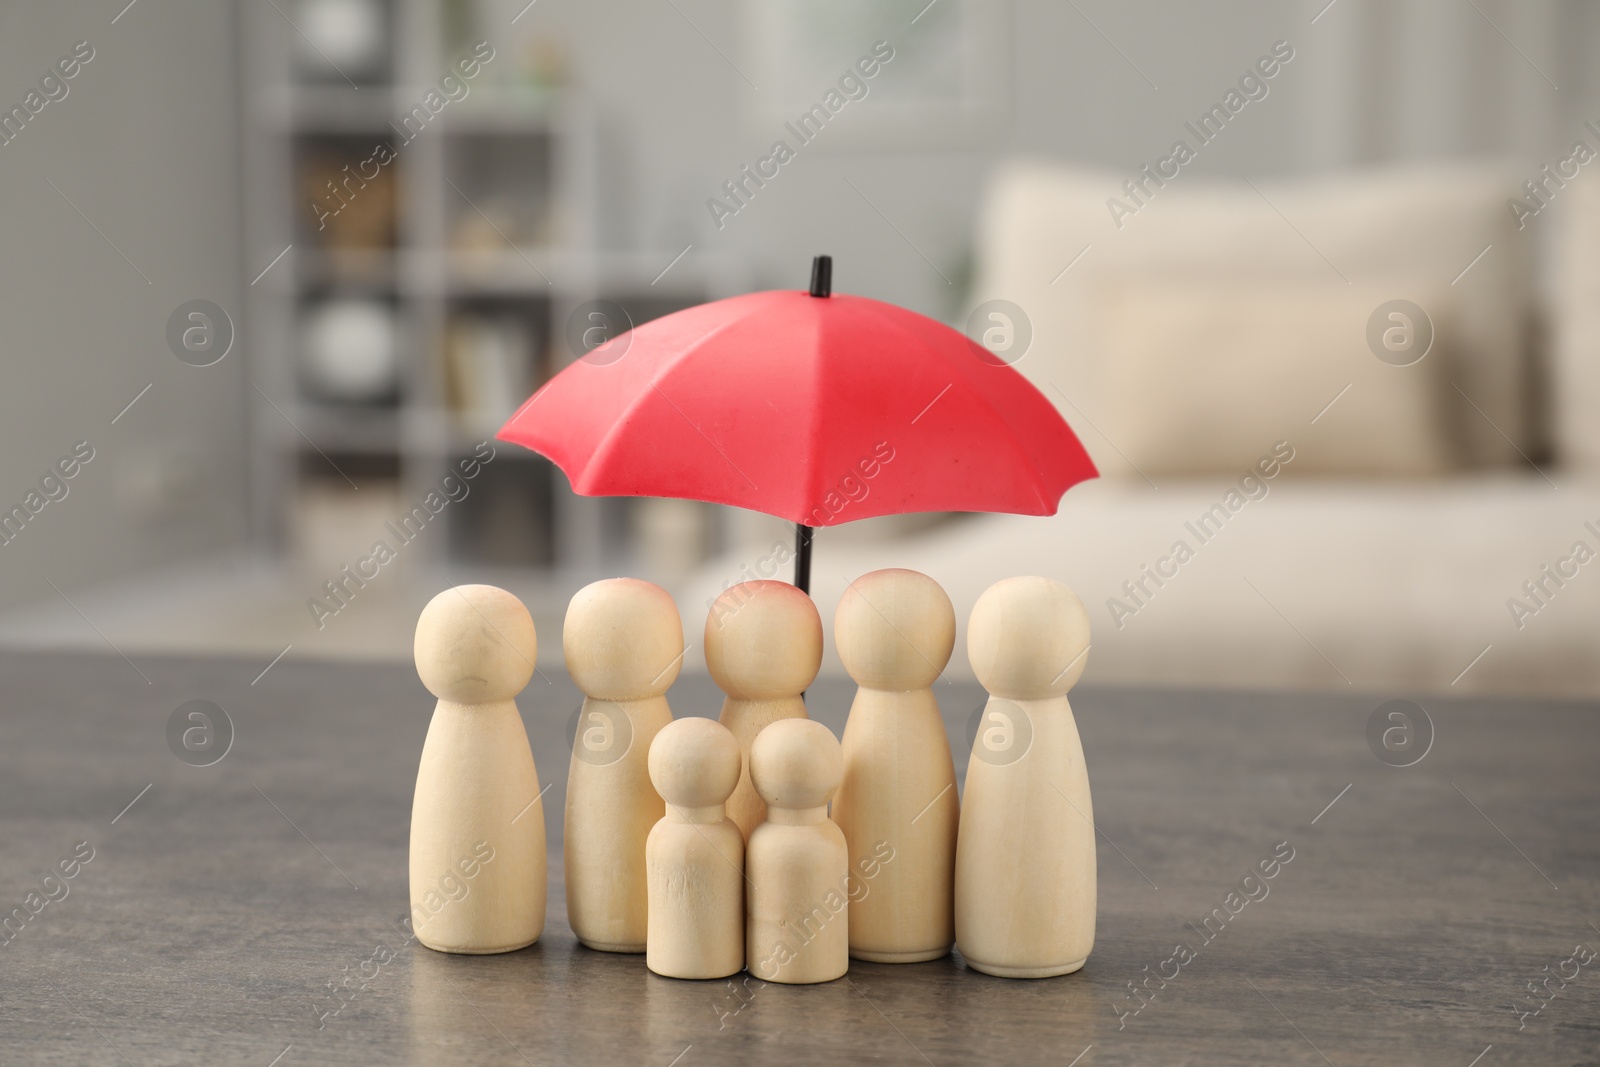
[(822, 276)]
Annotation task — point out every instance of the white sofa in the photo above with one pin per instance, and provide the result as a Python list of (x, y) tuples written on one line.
[(1217, 322)]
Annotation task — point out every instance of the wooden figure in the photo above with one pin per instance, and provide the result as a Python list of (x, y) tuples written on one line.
[(1025, 863), (894, 630), (797, 862), (477, 864), (763, 647), (695, 855), (624, 645)]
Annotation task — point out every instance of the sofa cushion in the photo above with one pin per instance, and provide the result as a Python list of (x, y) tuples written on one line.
[(1575, 370), (1205, 373), (1047, 238)]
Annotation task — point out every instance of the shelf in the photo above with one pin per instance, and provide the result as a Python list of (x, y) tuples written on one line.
[(291, 108), (699, 276), (339, 428), (430, 435), (510, 272), (486, 109), (492, 211), (364, 269), (500, 109), (440, 432)]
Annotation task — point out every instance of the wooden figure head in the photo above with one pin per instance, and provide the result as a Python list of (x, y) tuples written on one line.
[(763, 641), (694, 763), (623, 639), (1028, 638), (894, 630), (796, 763), (475, 644)]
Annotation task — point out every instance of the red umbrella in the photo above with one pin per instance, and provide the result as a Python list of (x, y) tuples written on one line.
[(815, 407)]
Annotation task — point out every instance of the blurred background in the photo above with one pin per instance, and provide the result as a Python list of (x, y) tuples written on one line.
[(271, 269)]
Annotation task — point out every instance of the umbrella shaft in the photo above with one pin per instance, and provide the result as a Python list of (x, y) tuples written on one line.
[(802, 557)]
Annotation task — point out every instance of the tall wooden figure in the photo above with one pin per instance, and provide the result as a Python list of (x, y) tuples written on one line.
[(798, 908), (695, 854), (894, 630), (1025, 867), (763, 647), (624, 644), (477, 850)]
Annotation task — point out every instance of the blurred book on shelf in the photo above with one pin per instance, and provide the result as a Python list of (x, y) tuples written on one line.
[(351, 199), (503, 186), (489, 359), (497, 221)]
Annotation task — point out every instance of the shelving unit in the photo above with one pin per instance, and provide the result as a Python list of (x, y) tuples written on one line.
[(462, 256)]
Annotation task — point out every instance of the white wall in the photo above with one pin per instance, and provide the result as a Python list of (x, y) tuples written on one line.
[(1373, 80), (145, 146)]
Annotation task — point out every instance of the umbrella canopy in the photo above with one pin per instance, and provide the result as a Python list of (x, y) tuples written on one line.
[(819, 410)]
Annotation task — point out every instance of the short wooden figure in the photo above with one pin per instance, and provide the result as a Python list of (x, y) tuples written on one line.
[(797, 862), (763, 647), (477, 861), (1025, 863), (894, 630), (695, 855), (623, 642)]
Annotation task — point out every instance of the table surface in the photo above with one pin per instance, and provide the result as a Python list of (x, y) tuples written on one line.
[(223, 904)]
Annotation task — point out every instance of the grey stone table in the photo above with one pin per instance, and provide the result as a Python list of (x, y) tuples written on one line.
[(252, 911)]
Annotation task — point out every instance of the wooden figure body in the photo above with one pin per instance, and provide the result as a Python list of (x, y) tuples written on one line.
[(894, 630), (1025, 864), (624, 645), (796, 861), (763, 647), (695, 855), (477, 861)]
